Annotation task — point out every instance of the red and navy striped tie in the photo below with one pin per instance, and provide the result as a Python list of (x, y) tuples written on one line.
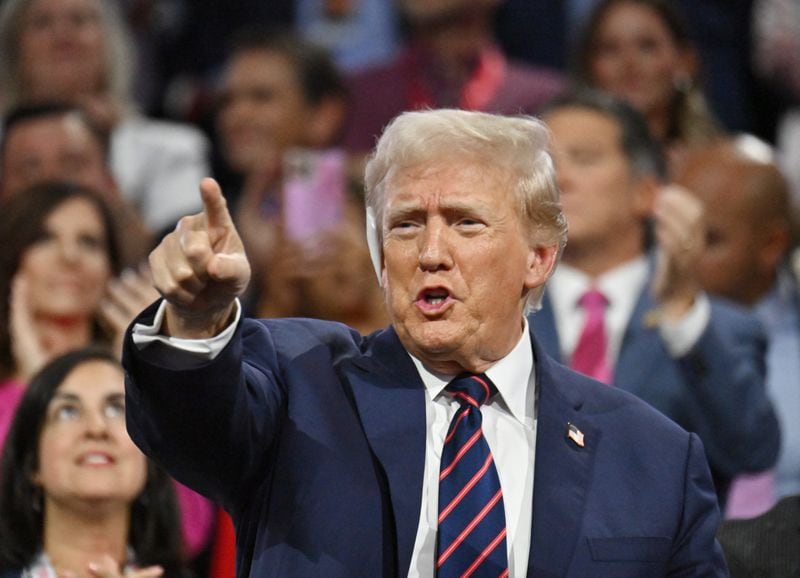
[(471, 539)]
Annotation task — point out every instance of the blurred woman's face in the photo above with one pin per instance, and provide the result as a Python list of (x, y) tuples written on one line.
[(61, 50), (68, 268), (85, 453), (635, 57)]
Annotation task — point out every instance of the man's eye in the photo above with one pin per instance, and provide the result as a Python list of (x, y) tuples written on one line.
[(585, 157), (90, 242), (713, 238), (403, 225), (470, 224)]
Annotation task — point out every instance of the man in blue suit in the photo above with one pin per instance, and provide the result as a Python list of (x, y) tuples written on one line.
[(697, 359), (411, 452)]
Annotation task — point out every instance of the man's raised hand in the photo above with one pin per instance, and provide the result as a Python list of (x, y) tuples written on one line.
[(200, 268)]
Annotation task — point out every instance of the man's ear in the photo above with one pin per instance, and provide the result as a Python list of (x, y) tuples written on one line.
[(541, 262), (645, 191), (777, 239), (325, 122)]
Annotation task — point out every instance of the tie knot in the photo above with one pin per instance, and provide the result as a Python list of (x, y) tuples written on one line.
[(473, 389), (593, 300)]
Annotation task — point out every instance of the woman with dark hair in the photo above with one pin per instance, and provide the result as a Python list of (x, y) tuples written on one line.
[(58, 251), (77, 497), (58, 261), (640, 51)]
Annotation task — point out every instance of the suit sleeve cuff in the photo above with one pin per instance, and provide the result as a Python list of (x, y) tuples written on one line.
[(202, 349), (680, 336)]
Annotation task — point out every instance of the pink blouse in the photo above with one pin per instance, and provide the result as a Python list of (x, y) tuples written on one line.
[(10, 393)]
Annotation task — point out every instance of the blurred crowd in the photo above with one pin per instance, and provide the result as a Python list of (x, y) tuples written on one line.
[(676, 140)]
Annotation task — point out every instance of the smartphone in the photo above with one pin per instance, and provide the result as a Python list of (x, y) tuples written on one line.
[(314, 188)]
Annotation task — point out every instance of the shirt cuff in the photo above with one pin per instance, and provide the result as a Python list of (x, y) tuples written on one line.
[(680, 336), (207, 349)]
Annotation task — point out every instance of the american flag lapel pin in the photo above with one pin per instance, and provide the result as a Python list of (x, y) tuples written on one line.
[(575, 435)]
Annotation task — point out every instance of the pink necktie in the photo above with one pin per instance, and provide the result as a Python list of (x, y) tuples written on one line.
[(590, 356)]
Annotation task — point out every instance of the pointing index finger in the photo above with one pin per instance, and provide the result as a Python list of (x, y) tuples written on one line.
[(215, 207)]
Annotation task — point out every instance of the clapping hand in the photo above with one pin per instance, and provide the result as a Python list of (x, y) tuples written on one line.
[(680, 237), (29, 352), (125, 297)]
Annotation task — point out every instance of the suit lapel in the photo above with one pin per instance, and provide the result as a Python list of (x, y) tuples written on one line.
[(390, 398), (563, 470), (642, 349)]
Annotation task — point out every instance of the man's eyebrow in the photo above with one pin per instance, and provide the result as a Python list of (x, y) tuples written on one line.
[(403, 209), (457, 205)]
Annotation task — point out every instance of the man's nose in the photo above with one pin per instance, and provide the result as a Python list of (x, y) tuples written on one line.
[(238, 109), (435, 251), (629, 56)]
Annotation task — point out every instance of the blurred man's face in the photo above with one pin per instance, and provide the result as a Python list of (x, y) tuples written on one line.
[(263, 111), (599, 192), (458, 263), (58, 147), (733, 263)]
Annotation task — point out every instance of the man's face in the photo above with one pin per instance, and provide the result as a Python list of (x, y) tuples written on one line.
[(457, 264), (599, 194), (731, 264), (59, 147), (263, 111)]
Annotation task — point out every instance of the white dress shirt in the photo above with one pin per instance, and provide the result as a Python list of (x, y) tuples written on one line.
[(621, 286), (510, 416)]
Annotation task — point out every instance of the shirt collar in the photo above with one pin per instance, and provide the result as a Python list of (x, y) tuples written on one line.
[(512, 375), (620, 284)]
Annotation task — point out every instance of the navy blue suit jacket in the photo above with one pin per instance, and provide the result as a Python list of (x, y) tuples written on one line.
[(313, 438), (716, 390)]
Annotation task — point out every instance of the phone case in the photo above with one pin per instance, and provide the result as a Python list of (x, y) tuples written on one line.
[(313, 192)]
